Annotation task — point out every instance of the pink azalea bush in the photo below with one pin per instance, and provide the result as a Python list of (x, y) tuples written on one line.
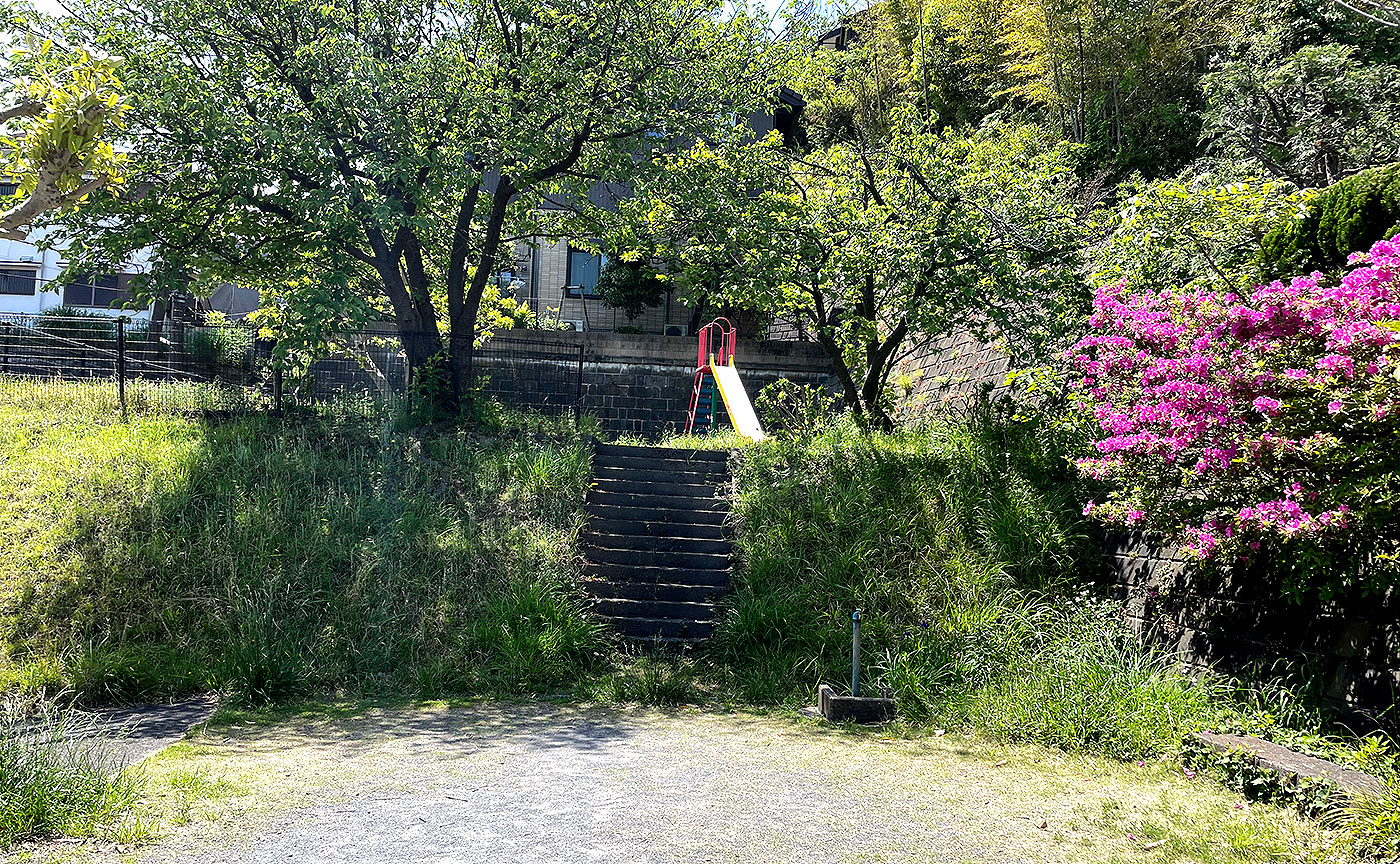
[(1229, 420)]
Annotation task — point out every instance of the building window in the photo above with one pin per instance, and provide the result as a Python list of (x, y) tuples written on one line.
[(584, 267), (107, 291), (8, 189), (18, 280)]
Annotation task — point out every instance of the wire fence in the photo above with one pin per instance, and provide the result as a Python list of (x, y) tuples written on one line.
[(227, 368)]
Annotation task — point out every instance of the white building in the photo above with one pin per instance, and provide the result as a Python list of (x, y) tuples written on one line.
[(29, 281)]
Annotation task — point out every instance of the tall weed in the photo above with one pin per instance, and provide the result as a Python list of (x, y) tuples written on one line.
[(959, 541), (57, 778)]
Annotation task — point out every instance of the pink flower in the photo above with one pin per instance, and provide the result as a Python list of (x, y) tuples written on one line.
[(1334, 407)]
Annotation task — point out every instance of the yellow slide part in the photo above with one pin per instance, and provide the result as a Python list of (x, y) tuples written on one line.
[(736, 402)]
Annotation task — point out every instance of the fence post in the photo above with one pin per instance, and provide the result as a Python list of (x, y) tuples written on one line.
[(277, 390), (6, 353), (578, 386), (408, 372), (121, 363)]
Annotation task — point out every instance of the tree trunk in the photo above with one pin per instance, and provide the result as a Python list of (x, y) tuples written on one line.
[(461, 349)]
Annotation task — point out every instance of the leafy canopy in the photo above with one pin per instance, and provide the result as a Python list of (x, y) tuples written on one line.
[(60, 110), (380, 157)]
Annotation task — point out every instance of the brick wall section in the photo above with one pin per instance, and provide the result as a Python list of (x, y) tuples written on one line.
[(641, 383)]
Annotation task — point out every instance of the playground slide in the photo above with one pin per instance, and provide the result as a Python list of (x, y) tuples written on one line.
[(736, 402)]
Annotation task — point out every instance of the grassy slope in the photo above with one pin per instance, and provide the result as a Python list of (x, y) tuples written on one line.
[(331, 553), (957, 541), (270, 558)]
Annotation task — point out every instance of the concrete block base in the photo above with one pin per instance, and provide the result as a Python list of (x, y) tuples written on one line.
[(861, 709)]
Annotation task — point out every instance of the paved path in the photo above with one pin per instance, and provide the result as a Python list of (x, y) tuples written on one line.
[(143, 730)]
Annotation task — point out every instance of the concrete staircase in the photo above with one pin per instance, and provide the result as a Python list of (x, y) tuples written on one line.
[(655, 543)]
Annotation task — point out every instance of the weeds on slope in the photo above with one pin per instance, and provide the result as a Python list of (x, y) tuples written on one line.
[(270, 558), (962, 542)]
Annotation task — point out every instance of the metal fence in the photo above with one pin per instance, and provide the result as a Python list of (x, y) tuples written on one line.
[(137, 357)]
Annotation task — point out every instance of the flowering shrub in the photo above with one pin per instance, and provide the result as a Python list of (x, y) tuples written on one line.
[(1236, 420)]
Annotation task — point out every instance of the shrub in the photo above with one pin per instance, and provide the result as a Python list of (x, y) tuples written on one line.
[(1356, 213), (1233, 420), (788, 408), (630, 286)]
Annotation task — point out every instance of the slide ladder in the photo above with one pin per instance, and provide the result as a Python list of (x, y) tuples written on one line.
[(715, 373)]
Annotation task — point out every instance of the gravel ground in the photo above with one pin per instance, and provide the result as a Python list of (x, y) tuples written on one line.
[(145, 730), (528, 782), (560, 786)]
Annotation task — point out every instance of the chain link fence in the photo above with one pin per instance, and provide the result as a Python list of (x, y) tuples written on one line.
[(227, 368)]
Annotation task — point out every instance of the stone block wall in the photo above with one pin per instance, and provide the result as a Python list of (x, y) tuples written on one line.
[(947, 370), (1239, 621)]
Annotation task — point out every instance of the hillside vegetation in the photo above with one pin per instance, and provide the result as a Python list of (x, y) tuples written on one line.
[(271, 559)]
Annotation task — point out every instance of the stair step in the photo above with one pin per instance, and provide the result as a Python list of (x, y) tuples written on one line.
[(629, 542), (672, 469), (672, 516), (656, 575), (709, 479), (640, 558), (666, 629), (614, 607), (603, 524), (708, 504), (648, 486), (671, 453), (655, 591)]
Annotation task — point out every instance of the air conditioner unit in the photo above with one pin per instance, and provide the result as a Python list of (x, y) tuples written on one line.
[(572, 324), (677, 329)]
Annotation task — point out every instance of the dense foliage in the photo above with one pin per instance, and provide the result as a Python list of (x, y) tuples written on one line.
[(1236, 418), (964, 544), (378, 159), (1345, 218), (60, 111)]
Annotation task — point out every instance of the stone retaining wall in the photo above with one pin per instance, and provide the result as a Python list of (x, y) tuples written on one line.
[(1240, 621)]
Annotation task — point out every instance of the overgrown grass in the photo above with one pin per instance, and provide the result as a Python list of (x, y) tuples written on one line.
[(270, 558), (960, 542), (58, 778)]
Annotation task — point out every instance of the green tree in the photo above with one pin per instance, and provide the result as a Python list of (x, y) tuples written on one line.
[(355, 159), (631, 286), (62, 108), (1307, 95), (1204, 228), (868, 247)]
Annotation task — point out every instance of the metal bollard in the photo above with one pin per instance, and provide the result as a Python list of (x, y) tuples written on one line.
[(855, 653)]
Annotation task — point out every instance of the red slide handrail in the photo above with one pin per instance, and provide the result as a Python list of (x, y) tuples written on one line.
[(718, 334), (717, 339)]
